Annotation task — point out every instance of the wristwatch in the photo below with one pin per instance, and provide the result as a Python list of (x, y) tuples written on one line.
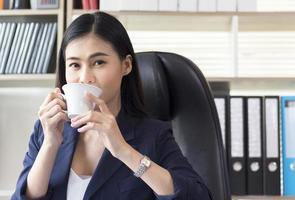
[(145, 163)]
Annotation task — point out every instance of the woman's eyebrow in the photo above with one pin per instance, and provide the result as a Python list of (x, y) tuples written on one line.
[(91, 56), (97, 54)]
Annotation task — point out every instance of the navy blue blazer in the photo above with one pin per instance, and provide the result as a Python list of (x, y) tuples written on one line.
[(112, 179)]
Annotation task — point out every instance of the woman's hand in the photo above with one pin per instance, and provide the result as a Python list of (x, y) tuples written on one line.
[(104, 123), (52, 116)]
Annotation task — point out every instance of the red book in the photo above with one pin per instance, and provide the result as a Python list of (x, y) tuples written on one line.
[(93, 4), (85, 4)]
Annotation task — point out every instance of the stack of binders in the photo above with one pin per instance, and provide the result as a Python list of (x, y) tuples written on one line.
[(252, 142)]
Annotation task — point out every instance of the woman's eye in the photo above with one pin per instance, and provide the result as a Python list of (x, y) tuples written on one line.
[(74, 65), (99, 62)]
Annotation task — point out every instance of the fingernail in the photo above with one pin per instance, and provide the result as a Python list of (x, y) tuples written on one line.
[(62, 96), (74, 119)]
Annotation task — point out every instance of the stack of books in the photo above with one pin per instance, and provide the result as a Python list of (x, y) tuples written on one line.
[(27, 48)]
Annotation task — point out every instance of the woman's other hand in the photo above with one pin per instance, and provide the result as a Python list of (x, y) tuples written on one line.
[(104, 123), (52, 116)]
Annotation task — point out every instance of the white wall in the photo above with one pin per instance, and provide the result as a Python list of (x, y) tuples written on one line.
[(18, 112)]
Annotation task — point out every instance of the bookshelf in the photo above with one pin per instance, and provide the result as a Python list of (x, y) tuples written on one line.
[(27, 12), (58, 13), (37, 15), (263, 86), (233, 62), (226, 69), (27, 80), (17, 90)]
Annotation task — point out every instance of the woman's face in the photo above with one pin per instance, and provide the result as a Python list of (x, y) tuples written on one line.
[(91, 60)]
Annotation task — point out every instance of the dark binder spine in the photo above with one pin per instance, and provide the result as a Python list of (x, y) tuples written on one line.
[(236, 164), (254, 162), (272, 166)]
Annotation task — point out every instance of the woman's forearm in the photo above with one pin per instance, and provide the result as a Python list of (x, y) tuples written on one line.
[(156, 177), (39, 175)]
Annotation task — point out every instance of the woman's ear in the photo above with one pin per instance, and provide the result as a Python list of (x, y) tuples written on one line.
[(127, 65)]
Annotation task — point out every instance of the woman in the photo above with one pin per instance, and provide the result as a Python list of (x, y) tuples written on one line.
[(114, 152)]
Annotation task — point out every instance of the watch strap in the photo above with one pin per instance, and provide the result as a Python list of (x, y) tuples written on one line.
[(142, 167)]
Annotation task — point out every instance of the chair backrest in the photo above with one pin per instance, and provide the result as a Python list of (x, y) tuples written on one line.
[(175, 89)]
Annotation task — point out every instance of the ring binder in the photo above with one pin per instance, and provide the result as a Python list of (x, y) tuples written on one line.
[(288, 142), (271, 147), (235, 146), (254, 145)]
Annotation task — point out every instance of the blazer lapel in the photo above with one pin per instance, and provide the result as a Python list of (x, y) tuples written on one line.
[(63, 162), (106, 167), (108, 164)]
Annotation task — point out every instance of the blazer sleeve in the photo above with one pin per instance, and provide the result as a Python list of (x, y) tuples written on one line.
[(188, 185), (35, 143)]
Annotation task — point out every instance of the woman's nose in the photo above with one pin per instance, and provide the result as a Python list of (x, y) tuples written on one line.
[(87, 76)]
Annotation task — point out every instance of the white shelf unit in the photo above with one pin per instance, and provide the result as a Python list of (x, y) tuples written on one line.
[(28, 12), (238, 86), (21, 96), (252, 51), (225, 67), (38, 15), (27, 80)]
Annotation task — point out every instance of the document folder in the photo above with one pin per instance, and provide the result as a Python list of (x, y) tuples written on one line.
[(221, 106), (236, 148), (271, 147), (254, 146), (288, 142)]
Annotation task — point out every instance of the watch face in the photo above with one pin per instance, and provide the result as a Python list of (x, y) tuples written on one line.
[(146, 162)]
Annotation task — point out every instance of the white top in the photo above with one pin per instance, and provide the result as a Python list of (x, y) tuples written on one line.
[(77, 186)]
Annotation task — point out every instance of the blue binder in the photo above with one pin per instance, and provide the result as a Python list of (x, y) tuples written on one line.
[(288, 142)]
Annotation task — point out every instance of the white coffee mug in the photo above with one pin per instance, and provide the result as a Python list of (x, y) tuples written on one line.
[(77, 103)]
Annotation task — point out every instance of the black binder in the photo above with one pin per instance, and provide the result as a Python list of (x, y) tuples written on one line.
[(236, 146), (271, 146), (21, 4), (254, 128)]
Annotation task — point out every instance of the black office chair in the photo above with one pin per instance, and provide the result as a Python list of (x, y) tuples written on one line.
[(175, 89)]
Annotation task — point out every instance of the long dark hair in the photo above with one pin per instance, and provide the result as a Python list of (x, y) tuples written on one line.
[(111, 30)]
